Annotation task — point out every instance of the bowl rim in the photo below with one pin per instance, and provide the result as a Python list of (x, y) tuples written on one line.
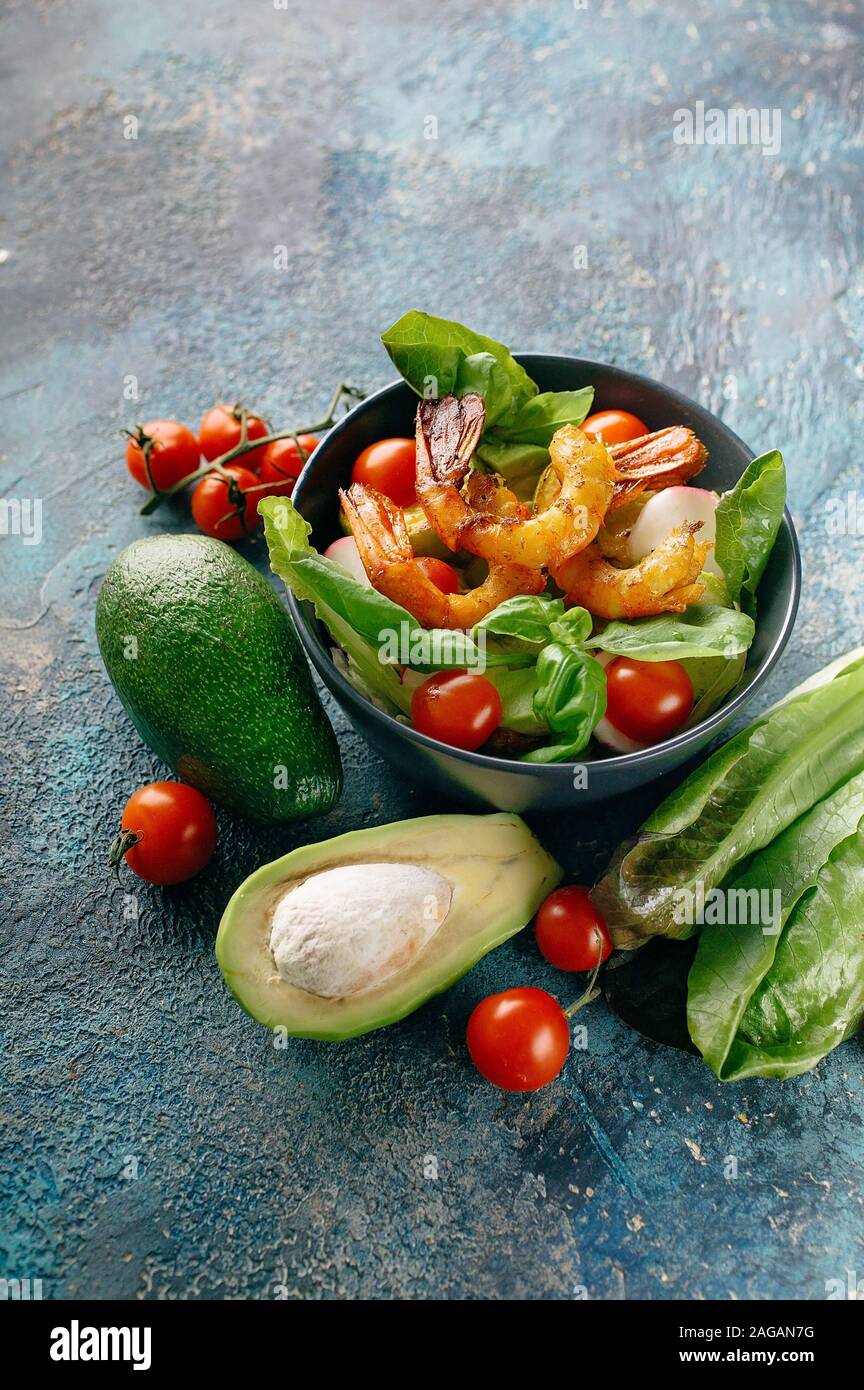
[(694, 738)]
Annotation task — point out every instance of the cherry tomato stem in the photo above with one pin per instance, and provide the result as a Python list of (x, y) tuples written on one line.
[(160, 453), (168, 833), (342, 394), (223, 505)]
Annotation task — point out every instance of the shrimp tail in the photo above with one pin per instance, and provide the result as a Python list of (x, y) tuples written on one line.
[(450, 430), (447, 432), (378, 527), (663, 459), (384, 545)]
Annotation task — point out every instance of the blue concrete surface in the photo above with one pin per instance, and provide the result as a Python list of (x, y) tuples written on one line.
[(155, 1142)]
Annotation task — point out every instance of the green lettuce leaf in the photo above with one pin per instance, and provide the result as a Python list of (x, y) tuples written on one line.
[(773, 1002), (748, 519), (353, 614), (712, 678), (736, 803), (703, 630)]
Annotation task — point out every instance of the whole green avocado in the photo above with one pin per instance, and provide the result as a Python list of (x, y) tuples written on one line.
[(210, 671)]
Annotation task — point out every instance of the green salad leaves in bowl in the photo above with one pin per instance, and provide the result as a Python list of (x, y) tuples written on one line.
[(535, 580)]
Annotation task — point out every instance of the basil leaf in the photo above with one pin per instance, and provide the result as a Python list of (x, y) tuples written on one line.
[(702, 630), (429, 353), (527, 616), (573, 626), (570, 699), (484, 374), (748, 519), (735, 804), (773, 1003), (539, 418), (438, 356)]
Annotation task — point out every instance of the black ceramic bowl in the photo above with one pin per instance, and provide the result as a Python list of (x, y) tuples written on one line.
[(502, 783)]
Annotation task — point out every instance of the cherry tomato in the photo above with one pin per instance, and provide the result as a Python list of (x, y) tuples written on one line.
[(282, 463), (220, 431), (647, 700), (570, 931), (519, 1040), (212, 500), (614, 426), (443, 576), (175, 829), (389, 466), (173, 453), (456, 707)]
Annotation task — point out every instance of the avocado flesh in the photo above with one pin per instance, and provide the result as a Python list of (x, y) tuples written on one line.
[(424, 541), (500, 875), (208, 667)]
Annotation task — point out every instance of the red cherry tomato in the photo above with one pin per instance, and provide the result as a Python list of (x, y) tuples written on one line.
[(173, 453), (614, 426), (570, 931), (282, 463), (443, 576), (176, 832), (647, 700), (389, 466), (220, 431), (456, 707), (212, 501), (519, 1040)]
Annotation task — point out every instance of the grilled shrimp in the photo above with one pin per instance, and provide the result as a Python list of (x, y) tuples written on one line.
[(384, 544), (501, 529), (664, 581), (666, 458)]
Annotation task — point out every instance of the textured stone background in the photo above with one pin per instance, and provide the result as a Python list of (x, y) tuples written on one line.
[(730, 275)]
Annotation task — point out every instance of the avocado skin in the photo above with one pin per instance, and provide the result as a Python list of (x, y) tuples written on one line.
[(219, 687)]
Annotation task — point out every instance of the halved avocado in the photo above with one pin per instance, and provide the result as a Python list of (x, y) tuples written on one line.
[(499, 874), (424, 541)]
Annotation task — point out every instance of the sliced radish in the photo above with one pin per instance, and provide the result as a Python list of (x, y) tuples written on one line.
[(666, 510), (606, 733), (345, 553)]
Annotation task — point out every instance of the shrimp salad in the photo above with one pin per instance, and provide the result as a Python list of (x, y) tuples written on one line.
[(529, 579)]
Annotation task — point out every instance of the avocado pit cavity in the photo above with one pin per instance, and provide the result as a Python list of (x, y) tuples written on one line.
[(345, 930)]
